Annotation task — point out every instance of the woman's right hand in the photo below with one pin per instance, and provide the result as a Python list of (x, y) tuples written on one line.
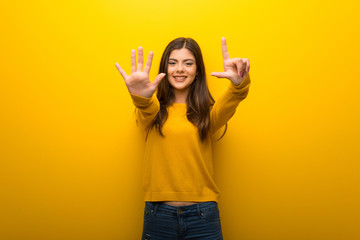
[(138, 82)]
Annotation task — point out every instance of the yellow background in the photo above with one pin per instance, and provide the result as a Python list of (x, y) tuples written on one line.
[(287, 169)]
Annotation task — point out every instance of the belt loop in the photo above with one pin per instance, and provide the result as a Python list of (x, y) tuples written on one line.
[(198, 208), (156, 206)]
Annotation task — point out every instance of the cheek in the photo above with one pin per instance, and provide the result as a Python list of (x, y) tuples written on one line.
[(170, 70), (192, 71)]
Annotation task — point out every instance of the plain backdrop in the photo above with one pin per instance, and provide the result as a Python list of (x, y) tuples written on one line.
[(70, 152)]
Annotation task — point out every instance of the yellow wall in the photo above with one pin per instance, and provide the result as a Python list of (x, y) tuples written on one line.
[(288, 167)]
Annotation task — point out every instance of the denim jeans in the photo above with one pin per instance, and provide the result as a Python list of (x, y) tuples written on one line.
[(197, 221)]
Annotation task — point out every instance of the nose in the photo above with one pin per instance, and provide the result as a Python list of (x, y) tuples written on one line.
[(180, 68)]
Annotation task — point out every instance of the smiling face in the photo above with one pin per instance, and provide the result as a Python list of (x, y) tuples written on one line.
[(181, 69)]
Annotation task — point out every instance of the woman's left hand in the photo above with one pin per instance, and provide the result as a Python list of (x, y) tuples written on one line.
[(235, 69)]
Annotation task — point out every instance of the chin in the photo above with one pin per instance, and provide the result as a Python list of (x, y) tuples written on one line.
[(181, 86)]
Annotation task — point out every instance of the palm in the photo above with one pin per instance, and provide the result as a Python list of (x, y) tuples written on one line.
[(235, 69), (230, 68), (138, 81)]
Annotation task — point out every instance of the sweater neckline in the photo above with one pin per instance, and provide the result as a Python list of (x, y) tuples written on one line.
[(179, 105)]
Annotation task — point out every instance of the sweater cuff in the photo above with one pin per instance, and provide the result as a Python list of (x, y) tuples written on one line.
[(243, 85), (140, 101)]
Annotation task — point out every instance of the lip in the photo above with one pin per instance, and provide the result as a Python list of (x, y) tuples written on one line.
[(183, 78)]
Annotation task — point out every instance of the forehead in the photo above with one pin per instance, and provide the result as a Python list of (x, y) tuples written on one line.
[(182, 53)]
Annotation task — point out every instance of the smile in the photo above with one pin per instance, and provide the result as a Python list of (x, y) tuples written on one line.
[(179, 78)]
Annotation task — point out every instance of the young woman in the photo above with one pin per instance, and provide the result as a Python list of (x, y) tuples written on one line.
[(180, 122)]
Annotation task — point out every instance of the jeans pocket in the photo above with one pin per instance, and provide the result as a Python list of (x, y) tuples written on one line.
[(210, 214)]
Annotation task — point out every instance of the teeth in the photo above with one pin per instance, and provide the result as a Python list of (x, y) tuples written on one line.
[(180, 77)]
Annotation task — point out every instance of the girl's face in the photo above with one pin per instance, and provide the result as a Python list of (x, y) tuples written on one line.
[(181, 69)]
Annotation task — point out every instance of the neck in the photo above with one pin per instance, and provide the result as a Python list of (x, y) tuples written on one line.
[(181, 95)]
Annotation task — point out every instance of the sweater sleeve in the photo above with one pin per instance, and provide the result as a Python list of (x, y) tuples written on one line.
[(145, 109), (225, 106)]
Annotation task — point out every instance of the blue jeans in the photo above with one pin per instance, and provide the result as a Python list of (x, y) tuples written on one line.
[(196, 221)]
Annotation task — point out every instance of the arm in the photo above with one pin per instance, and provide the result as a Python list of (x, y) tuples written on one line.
[(225, 106), (141, 89), (237, 71), (145, 110)]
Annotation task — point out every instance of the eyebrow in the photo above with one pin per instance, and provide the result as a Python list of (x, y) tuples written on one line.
[(189, 59)]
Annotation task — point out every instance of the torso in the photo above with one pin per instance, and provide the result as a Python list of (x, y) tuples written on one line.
[(180, 204)]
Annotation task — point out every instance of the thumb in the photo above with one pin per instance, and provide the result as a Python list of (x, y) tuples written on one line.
[(220, 74), (121, 71), (158, 79)]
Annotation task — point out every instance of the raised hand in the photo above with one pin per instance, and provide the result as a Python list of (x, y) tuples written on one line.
[(138, 82), (235, 69)]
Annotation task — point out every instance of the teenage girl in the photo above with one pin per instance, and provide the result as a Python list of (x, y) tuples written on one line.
[(179, 123)]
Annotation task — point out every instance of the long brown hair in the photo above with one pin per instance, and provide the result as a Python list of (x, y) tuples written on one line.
[(199, 100)]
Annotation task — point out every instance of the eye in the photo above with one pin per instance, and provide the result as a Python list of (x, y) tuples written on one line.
[(189, 64), (171, 63)]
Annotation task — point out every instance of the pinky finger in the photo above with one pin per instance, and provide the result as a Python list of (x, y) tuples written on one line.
[(121, 71), (240, 66), (247, 64)]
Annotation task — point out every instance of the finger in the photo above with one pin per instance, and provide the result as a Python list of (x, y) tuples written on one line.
[(245, 68), (121, 71), (225, 51), (239, 65), (148, 63), (140, 59), (158, 79), (133, 61), (220, 74), (247, 64)]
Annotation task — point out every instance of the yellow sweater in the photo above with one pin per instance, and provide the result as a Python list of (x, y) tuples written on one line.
[(179, 167)]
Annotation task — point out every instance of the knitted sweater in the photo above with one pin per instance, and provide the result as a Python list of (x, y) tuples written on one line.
[(179, 166)]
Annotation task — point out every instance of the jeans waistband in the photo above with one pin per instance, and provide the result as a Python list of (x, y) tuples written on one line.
[(192, 207)]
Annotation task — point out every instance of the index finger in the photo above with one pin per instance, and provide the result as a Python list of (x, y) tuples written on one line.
[(225, 51)]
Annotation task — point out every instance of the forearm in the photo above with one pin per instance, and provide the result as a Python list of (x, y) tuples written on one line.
[(145, 109), (225, 106)]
